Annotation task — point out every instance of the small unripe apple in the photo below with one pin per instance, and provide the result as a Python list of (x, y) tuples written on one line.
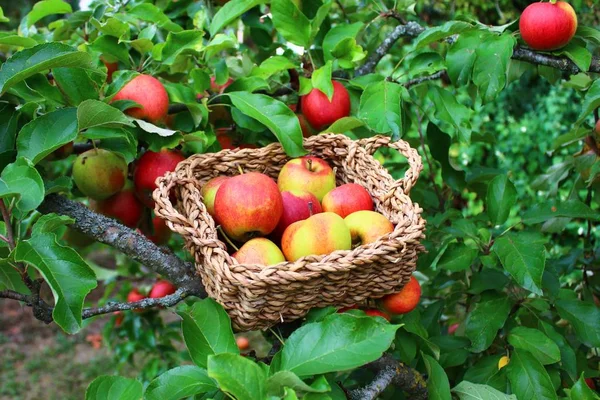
[(161, 289), (259, 251), (377, 313), (309, 174), (320, 112), (503, 362), (209, 192), (148, 92), (242, 342), (405, 300), (346, 199), (123, 206), (160, 231), (547, 26), (248, 205), (150, 166), (99, 173), (297, 206), (320, 234), (367, 226)]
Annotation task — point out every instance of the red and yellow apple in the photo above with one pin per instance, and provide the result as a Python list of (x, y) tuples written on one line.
[(346, 199), (148, 92), (209, 192), (161, 288), (309, 174), (320, 112), (367, 226), (99, 173), (405, 300), (320, 234), (547, 26), (248, 205), (259, 251), (150, 166), (297, 206)]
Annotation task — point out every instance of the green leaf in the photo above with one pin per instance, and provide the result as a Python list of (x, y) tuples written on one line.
[(271, 66), (180, 382), (434, 34), (487, 279), (381, 107), (344, 125), (348, 53), (11, 39), (2, 17), (525, 261), (581, 391), (50, 223), (76, 84), (21, 180), (528, 377), (572, 208), (337, 34), (491, 65), (47, 133), (320, 15), (501, 197), (94, 114), (185, 42), (290, 22), (474, 391), (206, 331), (44, 8), (457, 257), (111, 27), (275, 115), (67, 274), (534, 341), (483, 323), (248, 84), (153, 14), (568, 359), (448, 110), (438, 387), (577, 52), (10, 278), (114, 388), (219, 43), (40, 58), (584, 317), (461, 56), (230, 12), (321, 79), (277, 383), (426, 63), (591, 102), (588, 33), (238, 376), (340, 342)]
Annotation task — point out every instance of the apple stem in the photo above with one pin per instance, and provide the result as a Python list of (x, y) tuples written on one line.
[(309, 162), (239, 167), (227, 238), (94, 146), (310, 208)]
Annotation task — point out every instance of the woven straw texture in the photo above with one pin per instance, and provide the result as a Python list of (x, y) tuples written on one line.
[(257, 297)]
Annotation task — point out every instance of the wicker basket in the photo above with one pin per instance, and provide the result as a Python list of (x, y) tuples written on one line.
[(257, 297)]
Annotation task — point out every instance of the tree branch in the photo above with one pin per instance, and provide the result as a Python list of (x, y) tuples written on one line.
[(138, 247), (9, 230), (415, 81), (11, 294)]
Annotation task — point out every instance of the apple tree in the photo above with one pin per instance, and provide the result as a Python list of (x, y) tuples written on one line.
[(510, 189)]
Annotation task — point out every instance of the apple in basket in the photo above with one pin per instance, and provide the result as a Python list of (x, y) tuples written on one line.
[(309, 174)]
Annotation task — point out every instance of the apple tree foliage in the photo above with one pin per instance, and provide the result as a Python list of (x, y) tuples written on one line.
[(510, 187)]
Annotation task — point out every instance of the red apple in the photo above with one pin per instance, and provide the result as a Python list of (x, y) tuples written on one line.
[(61, 153), (161, 289), (99, 173), (320, 112), (307, 130), (150, 166), (452, 329), (320, 234), (230, 141), (209, 192), (377, 313), (160, 231), (123, 206), (547, 26), (297, 206), (216, 88), (405, 300), (111, 67), (590, 383), (259, 251), (367, 226), (242, 342), (346, 199), (133, 296), (119, 317), (148, 92), (248, 205), (309, 174), (344, 309)]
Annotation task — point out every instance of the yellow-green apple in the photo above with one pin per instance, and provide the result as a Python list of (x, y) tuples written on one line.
[(248, 205), (150, 166), (320, 234), (321, 112), (123, 206), (99, 173), (148, 92), (309, 174), (405, 300), (346, 199), (377, 313), (259, 251), (209, 192), (297, 206), (547, 26), (367, 226)]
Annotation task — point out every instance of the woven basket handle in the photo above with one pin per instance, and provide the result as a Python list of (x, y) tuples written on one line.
[(412, 156)]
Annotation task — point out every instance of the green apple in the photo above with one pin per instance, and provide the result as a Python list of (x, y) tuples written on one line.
[(259, 251), (367, 226), (99, 173)]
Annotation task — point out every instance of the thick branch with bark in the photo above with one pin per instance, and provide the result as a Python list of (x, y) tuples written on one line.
[(391, 371)]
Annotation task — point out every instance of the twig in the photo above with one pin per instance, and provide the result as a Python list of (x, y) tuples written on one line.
[(11, 294), (415, 81), (9, 230), (391, 371)]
